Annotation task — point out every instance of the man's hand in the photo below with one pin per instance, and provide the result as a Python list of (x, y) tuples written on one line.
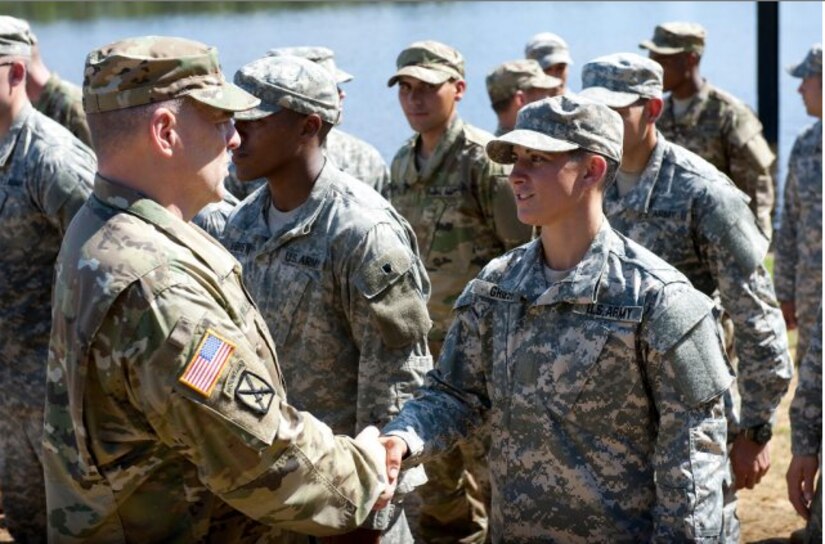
[(789, 313), (395, 449), (368, 439), (750, 461), (801, 477)]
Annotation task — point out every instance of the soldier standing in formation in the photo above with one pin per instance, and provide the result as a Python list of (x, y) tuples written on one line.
[(45, 176), (552, 54), (798, 265), (710, 122), (332, 266), (513, 84), (596, 365), (166, 418)]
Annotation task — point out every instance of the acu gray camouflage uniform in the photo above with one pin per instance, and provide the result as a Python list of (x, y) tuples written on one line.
[(45, 176), (212, 218), (602, 393)]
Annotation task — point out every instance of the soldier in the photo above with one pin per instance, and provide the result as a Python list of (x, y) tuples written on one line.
[(806, 438), (166, 418), (334, 268), (52, 96), (514, 84), (597, 366), (45, 176), (552, 54), (681, 208), (710, 122), (352, 155), (463, 213), (213, 217), (798, 265)]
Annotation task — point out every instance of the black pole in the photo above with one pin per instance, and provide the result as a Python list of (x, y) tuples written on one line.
[(767, 66)]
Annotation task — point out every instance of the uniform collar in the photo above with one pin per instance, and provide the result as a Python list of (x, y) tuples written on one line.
[(638, 199), (443, 150), (8, 142), (690, 118)]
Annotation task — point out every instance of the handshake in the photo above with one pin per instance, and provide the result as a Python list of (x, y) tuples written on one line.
[(387, 451)]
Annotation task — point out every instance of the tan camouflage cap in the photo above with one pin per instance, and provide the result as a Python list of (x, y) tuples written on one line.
[(548, 49), (518, 75), (562, 123), (138, 71), (621, 79), (672, 38), (431, 62), (293, 83), (16, 38), (811, 66), (317, 54)]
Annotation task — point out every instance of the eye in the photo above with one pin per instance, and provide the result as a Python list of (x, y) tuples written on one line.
[(537, 159)]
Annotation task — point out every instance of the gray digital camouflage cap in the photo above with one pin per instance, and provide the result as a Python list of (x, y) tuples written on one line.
[(139, 71), (562, 123), (292, 83), (518, 75), (548, 49), (16, 38), (317, 54), (672, 38), (811, 66), (430, 61), (621, 79)]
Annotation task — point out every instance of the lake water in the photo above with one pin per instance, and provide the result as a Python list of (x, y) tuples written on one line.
[(367, 37)]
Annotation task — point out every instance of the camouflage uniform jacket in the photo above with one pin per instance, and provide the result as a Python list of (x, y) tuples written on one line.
[(721, 129), (602, 393), (45, 177), (350, 154), (690, 215), (61, 101), (462, 209), (806, 408), (144, 439), (212, 218)]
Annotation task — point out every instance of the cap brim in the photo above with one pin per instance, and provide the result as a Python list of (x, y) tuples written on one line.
[(342, 76), (660, 49), (264, 109), (560, 57), (611, 99), (500, 149), (427, 75), (227, 96)]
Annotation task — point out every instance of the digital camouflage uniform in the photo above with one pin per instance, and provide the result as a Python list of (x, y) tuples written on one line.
[(166, 418), (212, 218), (45, 176), (602, 393), (806, 419), (62, 101)]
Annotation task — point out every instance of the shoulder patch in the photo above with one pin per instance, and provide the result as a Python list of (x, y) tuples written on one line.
[(254, 393), (607, 311), (208, 363)]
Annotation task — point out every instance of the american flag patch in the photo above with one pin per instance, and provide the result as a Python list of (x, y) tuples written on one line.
[(207, 364)]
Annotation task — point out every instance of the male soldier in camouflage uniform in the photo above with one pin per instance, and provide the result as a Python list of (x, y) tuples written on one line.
[(552, 53), (806, 438), (166, 418), (798, 265), (680, 207), (513, 84), (718, 127), (463, 213), (54, 97), (45, 176), (352, 155), (597, 366), (333, 267)]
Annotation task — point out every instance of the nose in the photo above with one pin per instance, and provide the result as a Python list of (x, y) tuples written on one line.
[(233, 139), (801, 89), (516, 174)]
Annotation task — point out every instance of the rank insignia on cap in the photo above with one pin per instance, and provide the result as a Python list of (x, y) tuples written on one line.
[(254, 393), (205, 367)]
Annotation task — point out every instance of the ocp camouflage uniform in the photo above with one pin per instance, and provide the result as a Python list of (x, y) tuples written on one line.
[(212, 218), (45, 176), (62, 101), (343, 292), (135, 445), (603, 393), (798, 263)]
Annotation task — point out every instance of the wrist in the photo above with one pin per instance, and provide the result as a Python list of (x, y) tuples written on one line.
[(760, 434)]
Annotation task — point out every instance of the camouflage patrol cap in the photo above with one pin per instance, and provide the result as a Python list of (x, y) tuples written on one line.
[(138, 71), (16, 38), (518, 75), (562, 123), (672, 38), (811, 66), (292, 83), (319, 55), (621, 79), (430, 61), (548, 49)]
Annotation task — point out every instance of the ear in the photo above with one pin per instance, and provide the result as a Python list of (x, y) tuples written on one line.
[(653, 109), (519, 99), (311, 126), (460, 89), (595, 172), (163, 132), (17, 73)]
